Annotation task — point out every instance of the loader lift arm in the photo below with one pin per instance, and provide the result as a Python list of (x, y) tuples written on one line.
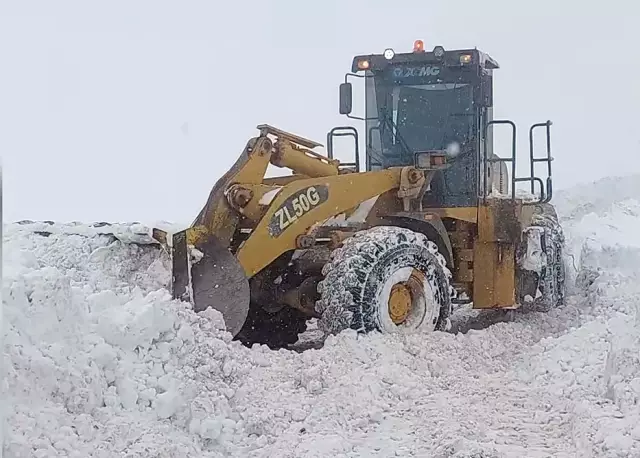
[(243, 183), (212, 265)]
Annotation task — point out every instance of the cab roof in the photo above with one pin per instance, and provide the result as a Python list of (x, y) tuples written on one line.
[(419, 56)]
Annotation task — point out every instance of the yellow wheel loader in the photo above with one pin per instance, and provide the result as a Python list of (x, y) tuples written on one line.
[(427, 218)]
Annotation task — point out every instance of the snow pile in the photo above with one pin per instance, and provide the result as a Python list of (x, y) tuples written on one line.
[(99, 361), (608, 243), (98, 357), (597, 365), (598, 197)]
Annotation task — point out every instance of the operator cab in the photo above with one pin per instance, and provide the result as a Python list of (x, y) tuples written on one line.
[(421, 102)]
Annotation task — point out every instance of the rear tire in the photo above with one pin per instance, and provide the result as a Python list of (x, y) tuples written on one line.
[(356, 291), (548, 286)]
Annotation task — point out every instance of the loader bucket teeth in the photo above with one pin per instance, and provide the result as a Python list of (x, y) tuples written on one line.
[(210, 276)]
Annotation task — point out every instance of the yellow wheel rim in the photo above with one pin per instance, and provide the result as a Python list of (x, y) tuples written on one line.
[(400, 302), (402, 299)]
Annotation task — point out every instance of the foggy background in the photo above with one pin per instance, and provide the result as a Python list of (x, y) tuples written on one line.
[(123, 111)]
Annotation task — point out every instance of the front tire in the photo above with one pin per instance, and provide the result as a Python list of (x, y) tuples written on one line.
[(386, 279)]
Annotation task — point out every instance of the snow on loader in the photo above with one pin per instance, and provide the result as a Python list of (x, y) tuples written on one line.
[(431, 219)]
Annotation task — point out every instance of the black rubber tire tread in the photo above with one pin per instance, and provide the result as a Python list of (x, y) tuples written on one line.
[(357, 268), (275, 330)]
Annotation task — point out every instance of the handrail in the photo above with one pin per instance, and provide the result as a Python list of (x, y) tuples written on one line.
[(546, 191), (546, 159), (511, 159), (344, 131)]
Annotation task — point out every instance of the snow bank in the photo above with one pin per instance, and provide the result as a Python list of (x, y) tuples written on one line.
[(597, 365), (596, 197), (98, 357), (99, 361)]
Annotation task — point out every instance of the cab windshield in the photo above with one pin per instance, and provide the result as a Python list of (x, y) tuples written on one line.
[(408, 118)]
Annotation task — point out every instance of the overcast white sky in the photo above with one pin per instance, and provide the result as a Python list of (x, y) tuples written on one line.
[(123, 111)]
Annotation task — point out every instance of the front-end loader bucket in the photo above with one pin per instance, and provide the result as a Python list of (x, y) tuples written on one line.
[(206, 274)]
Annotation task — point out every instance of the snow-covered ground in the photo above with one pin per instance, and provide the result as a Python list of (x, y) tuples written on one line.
[(98, 361)]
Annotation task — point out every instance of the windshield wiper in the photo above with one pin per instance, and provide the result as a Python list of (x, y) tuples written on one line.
[(386, 119)]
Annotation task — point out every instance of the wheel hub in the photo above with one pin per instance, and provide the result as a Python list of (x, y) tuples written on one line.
[(400, 301)]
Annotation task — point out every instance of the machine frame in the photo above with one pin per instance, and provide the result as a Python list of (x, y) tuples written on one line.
[(271, 253)]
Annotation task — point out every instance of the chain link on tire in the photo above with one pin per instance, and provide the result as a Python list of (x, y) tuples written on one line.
[(551, 279), (350, 290)]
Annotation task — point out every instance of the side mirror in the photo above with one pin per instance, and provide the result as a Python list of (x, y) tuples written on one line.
[(346, 98)]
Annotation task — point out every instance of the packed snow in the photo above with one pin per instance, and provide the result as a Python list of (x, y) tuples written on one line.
[(100, 362)]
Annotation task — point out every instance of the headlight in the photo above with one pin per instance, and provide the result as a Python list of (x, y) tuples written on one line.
[(389, 53), (363, 64), (423, 160), (430, 160), (465, 58)]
